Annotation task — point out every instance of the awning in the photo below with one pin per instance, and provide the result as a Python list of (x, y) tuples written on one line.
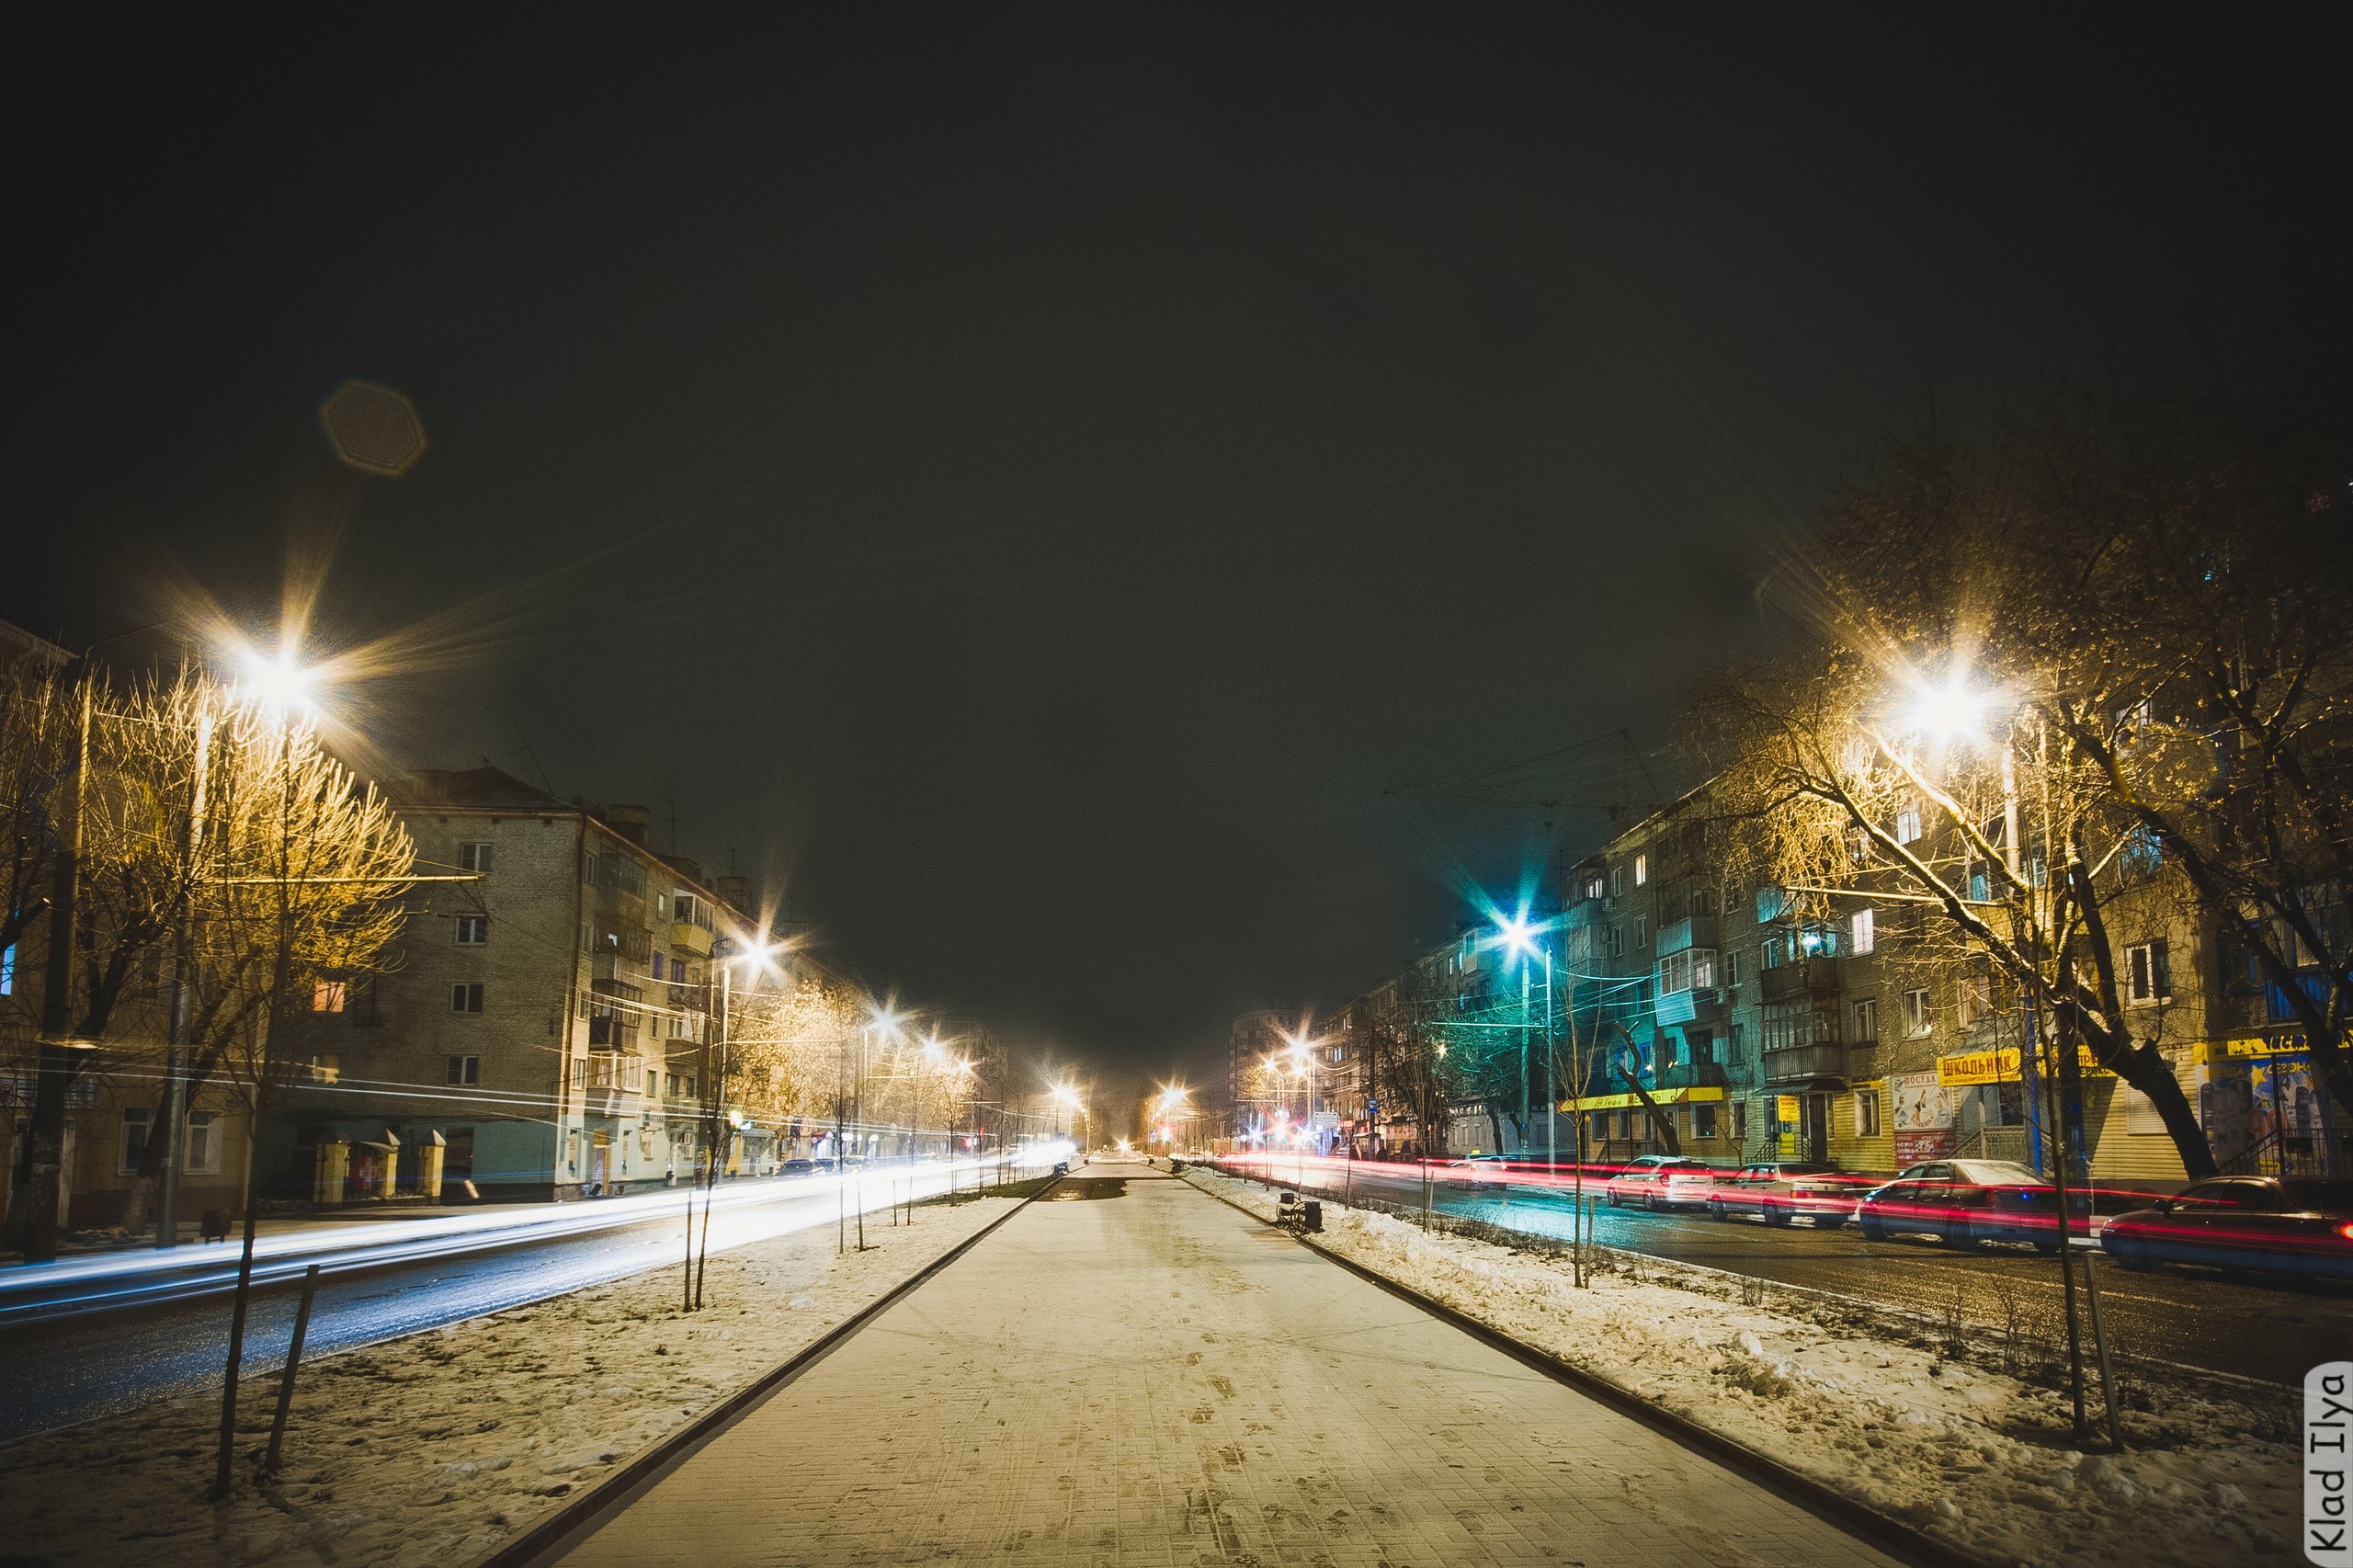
[(1658, 1097)]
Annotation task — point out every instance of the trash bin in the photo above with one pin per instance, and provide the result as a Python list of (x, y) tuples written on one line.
[(1310, 1215)]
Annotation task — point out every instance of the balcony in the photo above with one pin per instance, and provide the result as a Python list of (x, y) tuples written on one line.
[(686, 936), (1691, 1076), (1693, 931), (616, 1084), (1700, 1004), (1805, 1063), (1816, 977)]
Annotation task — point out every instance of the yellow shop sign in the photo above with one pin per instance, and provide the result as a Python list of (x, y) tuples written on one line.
[(1999, 1067)]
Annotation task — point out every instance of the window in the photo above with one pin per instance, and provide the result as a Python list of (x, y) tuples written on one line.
[(1595, 885), (1916, 1013), (1731, 969), (653, 1084), (1642, 870), (1733, 1042), (1703, 1121), (1973, 998), (658, 966), (1866, 1113), (1617, 881), (327, 997), (8, 970), (1867, 1021), (1617, 941), (466, 997), (474, 858), (1907, 822), (1979, 890), (1740, 1121), (1642, 930), (465, 1068), (2147, 976), (1788, 1024), (136, 1120), (1702, 902), (327, 1067), (201, 1155), (362, 1009), (473, 930), (2141, 854), (1773, 950), (1771, 904), (1866, 935)]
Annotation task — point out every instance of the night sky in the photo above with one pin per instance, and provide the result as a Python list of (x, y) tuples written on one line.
[(1025, 486)]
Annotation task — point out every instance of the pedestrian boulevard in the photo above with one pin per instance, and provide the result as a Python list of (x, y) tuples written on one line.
[(1154, 1378)]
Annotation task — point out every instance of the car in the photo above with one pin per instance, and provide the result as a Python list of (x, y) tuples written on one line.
[(1781, 1190), (2287, 1225), (1478, 1173), (797, 1167), (1965, 1202), (1661, 1181)]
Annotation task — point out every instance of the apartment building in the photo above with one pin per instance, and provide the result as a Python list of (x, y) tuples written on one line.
[(541, 1030), (1853, 1027)]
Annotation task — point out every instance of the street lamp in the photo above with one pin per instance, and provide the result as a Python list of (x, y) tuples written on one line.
[(1520, 936)]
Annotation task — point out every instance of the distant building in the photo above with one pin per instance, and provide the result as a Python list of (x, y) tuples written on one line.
[(539, 1032)]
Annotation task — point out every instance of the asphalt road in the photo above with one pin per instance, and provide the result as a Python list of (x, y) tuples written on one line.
[(2188, 1318), (57, 1372)]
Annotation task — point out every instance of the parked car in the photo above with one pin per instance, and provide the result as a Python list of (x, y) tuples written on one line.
[(1478, 1173), (2301, 1225), (1965, 1202), (797, 1167), (1661, 1181), (1781, 1190)]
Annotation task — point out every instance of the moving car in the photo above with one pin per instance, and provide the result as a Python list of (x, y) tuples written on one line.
[(1965, 1202), (1661, 1181), (1478, 1173), (1781, 1190), (2301, 1225)]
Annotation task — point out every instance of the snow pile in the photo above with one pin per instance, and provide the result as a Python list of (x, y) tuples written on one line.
[(1980, 1458), (431, 1450)]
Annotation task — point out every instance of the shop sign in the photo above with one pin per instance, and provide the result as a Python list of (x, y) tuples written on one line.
[(1972, 1067), (1925, 1109)]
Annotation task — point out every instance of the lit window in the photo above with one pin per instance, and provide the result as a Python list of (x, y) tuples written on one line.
[(8, 970), (1642, 870), (1907, 824), (327, 997), (1866, 935)]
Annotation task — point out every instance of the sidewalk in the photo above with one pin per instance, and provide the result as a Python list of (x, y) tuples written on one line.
[(1152, 1378)]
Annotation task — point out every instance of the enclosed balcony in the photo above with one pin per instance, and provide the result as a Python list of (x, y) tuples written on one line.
[(1820, 1062), (687, 937), (1693, 931), (1697, 1005), (1815, 977)]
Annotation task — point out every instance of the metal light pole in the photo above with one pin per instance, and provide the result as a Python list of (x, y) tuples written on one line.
[(174, 1107)]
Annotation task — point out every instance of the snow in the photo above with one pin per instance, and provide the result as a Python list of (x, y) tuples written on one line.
[(431, 1450), (1954, 1445)]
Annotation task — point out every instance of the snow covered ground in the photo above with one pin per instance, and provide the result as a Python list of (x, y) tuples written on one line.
[(431, 1450), (1929, 1426)]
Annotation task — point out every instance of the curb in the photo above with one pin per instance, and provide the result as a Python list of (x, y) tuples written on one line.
[(619, 1488), (1884, 1530)]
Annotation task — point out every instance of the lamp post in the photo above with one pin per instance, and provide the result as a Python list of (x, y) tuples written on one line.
[(1522, 939)]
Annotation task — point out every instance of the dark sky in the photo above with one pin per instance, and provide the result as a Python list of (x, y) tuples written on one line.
[(1025, 484)]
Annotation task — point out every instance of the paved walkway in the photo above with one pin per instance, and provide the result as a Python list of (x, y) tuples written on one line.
[(1157, 1379)]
